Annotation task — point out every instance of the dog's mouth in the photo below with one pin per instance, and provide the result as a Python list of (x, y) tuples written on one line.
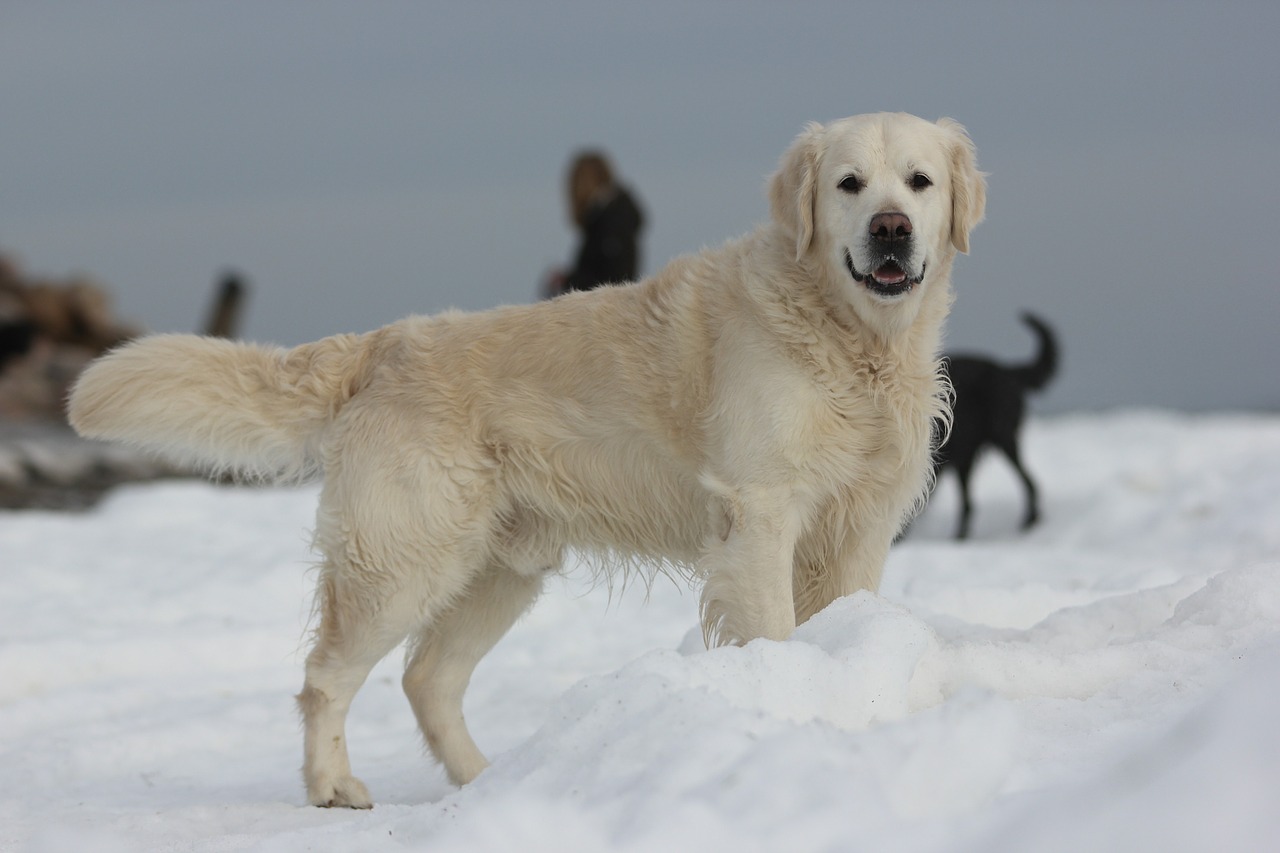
[(888, 280)]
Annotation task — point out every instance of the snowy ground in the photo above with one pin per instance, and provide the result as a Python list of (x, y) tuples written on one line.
[(1109, 682)]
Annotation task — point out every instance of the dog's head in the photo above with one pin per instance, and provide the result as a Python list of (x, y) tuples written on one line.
[(880, 202)]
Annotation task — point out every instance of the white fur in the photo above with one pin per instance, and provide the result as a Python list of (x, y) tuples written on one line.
[(751, 414)]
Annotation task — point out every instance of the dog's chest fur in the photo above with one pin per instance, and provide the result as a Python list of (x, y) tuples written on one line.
[(867, 406), (870, 426)]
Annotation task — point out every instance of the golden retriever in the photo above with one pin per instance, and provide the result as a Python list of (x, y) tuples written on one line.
[(757, 415)]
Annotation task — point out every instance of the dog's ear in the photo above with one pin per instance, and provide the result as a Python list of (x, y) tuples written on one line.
[(968, 185), (793, 190)]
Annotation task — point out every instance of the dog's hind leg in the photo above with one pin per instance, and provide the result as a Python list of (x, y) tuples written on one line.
[(445, 655), (389, 567), (357, 628)]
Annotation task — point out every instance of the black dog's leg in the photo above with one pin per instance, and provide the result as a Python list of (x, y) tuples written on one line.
[(964, 467), (1032, 515), (1033, 499)]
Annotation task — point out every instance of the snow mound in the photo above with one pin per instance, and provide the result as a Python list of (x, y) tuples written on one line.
[(1109, 681)]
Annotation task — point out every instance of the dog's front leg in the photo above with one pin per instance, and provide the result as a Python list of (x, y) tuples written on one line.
[(747, 567), (834, 559)]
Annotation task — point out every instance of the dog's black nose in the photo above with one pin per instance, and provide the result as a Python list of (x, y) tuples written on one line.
[(890, 227)]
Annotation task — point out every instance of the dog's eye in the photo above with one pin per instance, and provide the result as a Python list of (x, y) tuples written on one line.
[(920, 181), (850, 184)]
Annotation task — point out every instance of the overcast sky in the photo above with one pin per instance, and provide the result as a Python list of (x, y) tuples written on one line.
[(361, 161)]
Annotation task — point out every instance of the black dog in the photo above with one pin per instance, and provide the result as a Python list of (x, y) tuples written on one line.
[(990, 401)]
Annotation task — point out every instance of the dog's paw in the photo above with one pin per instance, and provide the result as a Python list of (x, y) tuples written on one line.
[(347, 792)]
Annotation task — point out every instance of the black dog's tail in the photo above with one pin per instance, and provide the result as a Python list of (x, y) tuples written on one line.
[(1037, 374)]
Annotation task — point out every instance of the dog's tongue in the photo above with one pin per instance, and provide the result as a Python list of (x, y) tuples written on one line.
[(890, 274)]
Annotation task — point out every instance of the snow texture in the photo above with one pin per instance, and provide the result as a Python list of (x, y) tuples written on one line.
[(1110, 681)]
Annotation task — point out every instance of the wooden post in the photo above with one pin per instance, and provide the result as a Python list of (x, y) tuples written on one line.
[(224, 319)]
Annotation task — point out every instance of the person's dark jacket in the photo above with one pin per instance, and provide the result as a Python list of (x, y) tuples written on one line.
[(610, 250)]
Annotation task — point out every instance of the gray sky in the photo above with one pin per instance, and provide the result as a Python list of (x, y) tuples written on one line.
[(363, 161)]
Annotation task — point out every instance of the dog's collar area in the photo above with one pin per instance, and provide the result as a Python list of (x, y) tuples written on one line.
[(887, 289)]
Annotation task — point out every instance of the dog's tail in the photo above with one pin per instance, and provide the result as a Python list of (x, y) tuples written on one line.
[(218, 404), (1037, 374)]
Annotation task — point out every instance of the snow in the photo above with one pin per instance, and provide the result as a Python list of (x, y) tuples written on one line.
[(1109, 681)]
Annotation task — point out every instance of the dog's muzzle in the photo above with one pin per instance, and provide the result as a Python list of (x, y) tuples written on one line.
[(888, 278)]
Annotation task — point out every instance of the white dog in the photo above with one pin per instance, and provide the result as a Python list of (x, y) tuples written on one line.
[(757, 414)]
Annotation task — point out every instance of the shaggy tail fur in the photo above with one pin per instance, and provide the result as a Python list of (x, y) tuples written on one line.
[(1037, 374), (218, 404)]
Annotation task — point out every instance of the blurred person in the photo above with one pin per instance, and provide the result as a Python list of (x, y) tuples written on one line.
[(609, 220)]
